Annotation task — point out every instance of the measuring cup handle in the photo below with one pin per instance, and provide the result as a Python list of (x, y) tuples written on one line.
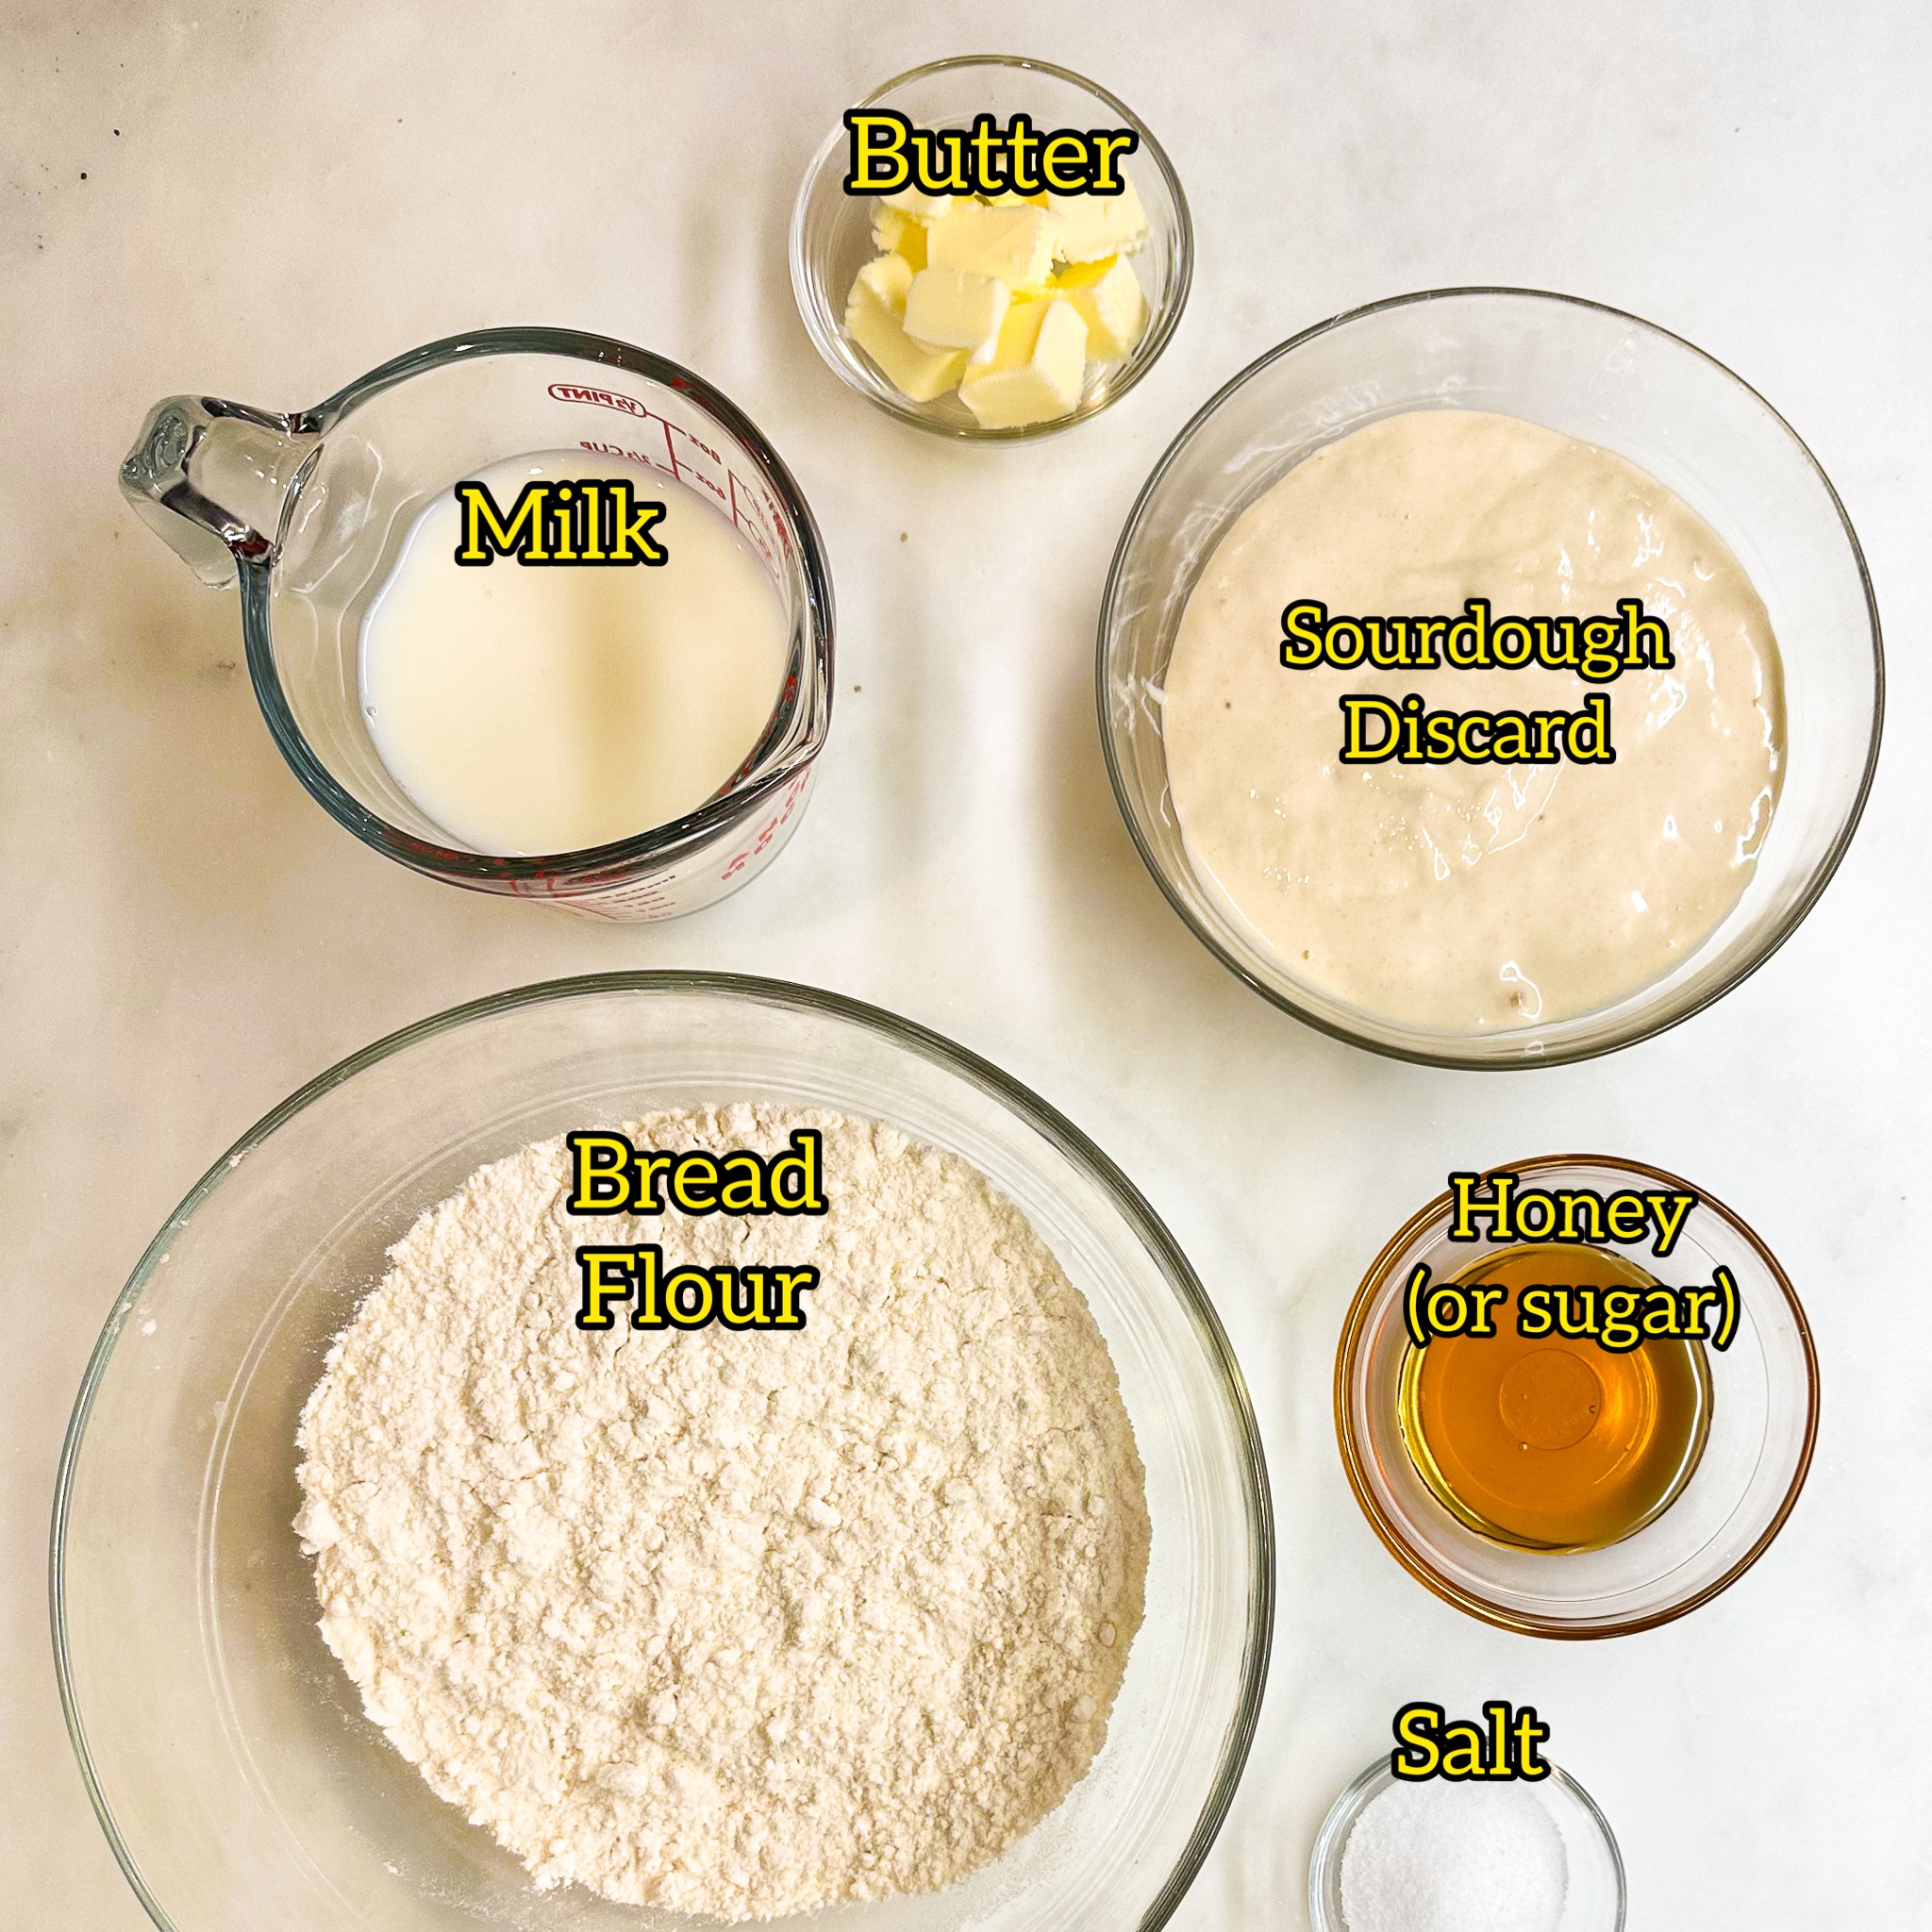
[(212, 479)]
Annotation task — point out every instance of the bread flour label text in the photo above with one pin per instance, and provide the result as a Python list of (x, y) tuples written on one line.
[(688, 1297), (608, 1175)]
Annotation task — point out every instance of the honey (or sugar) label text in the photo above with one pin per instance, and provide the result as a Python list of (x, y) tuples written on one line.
[(1616, 1318), (1511, 1213)]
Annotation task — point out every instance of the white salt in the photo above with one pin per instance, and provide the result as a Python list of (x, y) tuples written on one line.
[(1454, 1857)]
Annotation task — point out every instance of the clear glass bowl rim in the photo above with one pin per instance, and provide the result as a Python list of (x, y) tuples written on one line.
[(661, 843), (1046, 1120), (1398, 1546), (1767, 942), (1146, 353), (1332, 1840)]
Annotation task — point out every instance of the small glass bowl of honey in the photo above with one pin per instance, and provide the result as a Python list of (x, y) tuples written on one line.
[(1592, 1437)]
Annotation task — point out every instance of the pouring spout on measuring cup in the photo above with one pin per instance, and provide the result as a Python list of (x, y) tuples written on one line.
[(213, 479)]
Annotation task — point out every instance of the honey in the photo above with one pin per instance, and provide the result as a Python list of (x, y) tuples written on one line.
[(1554, 1442)]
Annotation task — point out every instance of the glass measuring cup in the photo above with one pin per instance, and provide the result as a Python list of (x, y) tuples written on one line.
[(308, 511)]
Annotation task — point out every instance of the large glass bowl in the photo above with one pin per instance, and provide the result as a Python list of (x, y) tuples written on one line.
[(831, 230), (226, 1750), (1591, 373)]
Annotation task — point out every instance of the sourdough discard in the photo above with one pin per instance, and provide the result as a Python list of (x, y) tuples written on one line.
[(1466, 898), (736, 1622)]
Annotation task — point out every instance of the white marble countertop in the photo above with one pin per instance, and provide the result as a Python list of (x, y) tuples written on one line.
[(261, 201)]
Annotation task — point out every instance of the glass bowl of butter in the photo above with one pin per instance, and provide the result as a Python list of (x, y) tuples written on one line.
[(1489, 678), (990, 248)]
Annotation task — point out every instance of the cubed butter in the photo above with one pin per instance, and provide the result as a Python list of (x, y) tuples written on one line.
[(889, 277), (898, 233), (1013, 242), (1107, 294), (1035, 374), (922, 207), (1092, 226), (955, 308), (875, 319)]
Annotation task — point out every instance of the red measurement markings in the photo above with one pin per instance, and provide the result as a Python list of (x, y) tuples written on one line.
[(602, 399), (686, 472), (629, 455), (769, 831), (749, 506), (682, 468), (760, 530)]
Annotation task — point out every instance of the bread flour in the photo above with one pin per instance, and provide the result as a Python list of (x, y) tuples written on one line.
[(732, 1622)]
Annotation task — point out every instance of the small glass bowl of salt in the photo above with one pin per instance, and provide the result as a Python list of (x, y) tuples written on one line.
[(1394, 1855)]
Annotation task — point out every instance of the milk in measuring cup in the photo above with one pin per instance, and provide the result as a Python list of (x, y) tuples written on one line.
[(535, 708)]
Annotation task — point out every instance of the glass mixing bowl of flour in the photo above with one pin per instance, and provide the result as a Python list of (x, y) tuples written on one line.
[(226, 1752), (1605, 379)]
